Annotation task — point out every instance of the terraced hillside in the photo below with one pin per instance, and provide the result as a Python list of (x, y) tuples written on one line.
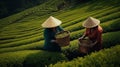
[(21, 35)]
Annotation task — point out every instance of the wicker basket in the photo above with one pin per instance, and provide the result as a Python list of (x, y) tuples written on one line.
[(64, 40), (84, 45)]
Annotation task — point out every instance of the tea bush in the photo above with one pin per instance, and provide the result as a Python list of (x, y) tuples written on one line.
[(104, 58), (30, 58)]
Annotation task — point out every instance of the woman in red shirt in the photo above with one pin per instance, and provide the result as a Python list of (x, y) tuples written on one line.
[(93, 32)]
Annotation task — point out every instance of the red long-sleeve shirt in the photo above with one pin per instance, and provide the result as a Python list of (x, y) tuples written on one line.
[(94, 34)]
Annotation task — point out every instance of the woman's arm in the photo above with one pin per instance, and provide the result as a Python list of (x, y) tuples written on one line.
[(60, 28), (47, 35), (83, 36)]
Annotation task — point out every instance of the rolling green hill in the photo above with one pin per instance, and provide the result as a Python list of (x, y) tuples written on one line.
[(15, 6), (21, 34)]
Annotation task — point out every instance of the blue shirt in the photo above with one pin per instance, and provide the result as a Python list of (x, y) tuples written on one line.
[(50, 35)]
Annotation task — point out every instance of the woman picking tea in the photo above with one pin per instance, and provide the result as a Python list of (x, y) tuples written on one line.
[(52, 26), (93, 32)]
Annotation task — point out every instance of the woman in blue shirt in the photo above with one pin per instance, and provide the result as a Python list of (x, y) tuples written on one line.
[(52, 27)]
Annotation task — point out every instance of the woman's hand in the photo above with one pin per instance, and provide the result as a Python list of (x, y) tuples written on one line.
[(53, 41), (82, 37)]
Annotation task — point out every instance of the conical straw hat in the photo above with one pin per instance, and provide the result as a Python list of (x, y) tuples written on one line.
[(51, 22), (91, 22)]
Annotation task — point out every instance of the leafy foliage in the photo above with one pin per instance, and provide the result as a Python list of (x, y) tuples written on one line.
[(30, 58), (104, 58)]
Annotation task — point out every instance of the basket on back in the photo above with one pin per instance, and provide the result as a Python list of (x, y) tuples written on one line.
[(85, 45), (63, 38)]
